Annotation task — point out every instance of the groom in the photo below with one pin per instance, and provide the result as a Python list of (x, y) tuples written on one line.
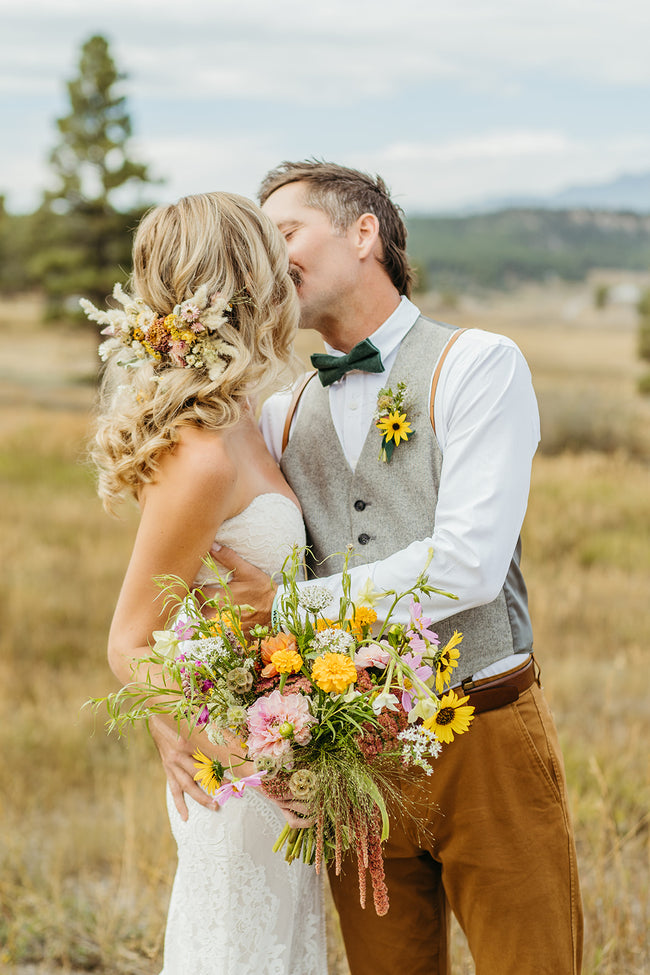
[(497, 848)]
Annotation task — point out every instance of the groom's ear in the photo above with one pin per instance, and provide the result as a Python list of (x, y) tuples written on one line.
[(366, 234)]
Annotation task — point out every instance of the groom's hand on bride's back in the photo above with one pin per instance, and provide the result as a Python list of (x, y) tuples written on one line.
[(248, 586)]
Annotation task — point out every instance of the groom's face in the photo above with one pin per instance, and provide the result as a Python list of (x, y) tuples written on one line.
[(323, 262)]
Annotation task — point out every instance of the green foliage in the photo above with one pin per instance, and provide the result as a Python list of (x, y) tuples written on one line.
[(643, 384), (17, 238), (498, 250), (601, 296), (83, 237), (644, 338)]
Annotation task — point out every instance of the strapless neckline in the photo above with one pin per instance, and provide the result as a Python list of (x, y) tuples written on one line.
[(264, 533), (256, 501)]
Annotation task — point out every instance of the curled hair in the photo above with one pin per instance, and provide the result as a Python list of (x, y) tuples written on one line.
[(344, 195), (225, 242)]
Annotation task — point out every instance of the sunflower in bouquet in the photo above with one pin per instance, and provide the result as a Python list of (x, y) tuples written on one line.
[(328, 707)]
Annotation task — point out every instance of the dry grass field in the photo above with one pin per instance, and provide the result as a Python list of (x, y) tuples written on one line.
[(86, 857)]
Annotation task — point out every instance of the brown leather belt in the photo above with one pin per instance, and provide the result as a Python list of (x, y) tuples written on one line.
[(495, 692)]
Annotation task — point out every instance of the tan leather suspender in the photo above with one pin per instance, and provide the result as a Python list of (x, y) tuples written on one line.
[(294, 406), (436, 375)]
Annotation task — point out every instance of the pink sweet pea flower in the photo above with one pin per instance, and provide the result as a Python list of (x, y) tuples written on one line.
[(423, 671), (418, 633), (183, 629), (236, 787)]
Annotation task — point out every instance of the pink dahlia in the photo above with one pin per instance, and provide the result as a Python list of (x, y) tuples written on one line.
[(277, 719)]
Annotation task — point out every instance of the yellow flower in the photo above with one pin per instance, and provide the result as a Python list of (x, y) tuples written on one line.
[(224, 620), (286, 661), (210, 772), (333, 672), (365, 616), (368, 594), (448, 660), (326, 624), (453, 717), (394, 427)]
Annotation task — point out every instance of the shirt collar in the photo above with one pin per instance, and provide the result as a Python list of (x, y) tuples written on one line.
[(389, 335)]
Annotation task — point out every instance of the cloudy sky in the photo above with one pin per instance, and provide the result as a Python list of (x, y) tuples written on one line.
[(452, 102)]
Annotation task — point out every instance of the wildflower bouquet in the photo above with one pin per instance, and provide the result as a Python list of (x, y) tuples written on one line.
[(326, 709)]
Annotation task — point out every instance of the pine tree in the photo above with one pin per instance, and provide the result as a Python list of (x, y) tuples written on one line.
[(85, 238), (91, 160), (644, 341)]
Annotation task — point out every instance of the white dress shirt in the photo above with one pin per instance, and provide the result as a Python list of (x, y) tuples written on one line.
[(487, 426)]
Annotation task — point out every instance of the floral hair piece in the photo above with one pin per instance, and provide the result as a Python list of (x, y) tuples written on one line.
[(184, 339)]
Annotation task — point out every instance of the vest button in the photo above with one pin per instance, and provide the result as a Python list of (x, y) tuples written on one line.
[(359, 505), (363, 539)]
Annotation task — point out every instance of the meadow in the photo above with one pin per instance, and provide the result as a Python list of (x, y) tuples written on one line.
[(86, 857)]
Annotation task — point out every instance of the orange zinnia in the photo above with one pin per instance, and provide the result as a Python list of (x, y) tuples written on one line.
[(269, 646)]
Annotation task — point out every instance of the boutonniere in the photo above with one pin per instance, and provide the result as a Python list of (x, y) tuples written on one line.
[(391, 419)]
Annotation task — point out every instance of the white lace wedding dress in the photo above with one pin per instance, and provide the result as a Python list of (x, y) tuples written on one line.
[(236, 907)]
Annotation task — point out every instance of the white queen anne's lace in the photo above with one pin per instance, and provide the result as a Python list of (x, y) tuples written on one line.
[(314, 598), (333, 640)]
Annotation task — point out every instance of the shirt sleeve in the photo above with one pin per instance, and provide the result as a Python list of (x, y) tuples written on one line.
[(272, 420), (487, 424)]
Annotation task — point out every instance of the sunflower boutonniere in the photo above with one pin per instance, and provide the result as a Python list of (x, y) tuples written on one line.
[(391, 419)]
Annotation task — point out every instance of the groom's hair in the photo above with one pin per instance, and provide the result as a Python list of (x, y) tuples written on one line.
[(344, 195)]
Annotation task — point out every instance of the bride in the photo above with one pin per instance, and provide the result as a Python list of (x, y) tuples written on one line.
[(211, 320)]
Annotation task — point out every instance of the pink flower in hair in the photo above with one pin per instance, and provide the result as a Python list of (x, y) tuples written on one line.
[(177, 352)]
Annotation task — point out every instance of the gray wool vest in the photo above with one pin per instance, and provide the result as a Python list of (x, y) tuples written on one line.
[(380, 508)]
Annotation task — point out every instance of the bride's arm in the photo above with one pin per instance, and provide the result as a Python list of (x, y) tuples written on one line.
[(195, 490)]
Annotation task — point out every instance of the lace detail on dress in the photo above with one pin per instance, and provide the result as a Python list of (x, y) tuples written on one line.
[(236, 907), (263, 533)]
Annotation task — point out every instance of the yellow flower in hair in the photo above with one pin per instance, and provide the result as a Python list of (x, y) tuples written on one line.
[(395, 427), (453, 717), (333, 672)]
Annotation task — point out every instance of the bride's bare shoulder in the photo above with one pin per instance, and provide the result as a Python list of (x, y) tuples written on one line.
[(202, 456)]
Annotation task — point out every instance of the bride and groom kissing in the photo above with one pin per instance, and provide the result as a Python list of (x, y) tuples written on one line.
[(179, 433)]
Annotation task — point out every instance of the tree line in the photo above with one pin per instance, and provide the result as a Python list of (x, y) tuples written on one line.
[(78, 241)]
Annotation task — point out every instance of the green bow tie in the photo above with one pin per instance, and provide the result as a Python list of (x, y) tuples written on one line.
[(364, 356)]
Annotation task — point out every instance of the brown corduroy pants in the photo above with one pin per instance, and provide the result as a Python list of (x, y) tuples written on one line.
[(488, 835)]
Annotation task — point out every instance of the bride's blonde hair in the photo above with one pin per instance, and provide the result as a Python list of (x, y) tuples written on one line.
[(225, 242)]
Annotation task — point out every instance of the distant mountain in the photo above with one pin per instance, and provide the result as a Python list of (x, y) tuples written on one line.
[(520, 244), (629, 192)]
